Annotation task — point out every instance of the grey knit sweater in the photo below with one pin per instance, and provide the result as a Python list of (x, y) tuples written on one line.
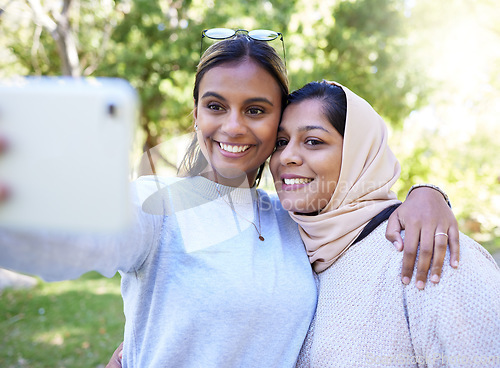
[(367, 318)]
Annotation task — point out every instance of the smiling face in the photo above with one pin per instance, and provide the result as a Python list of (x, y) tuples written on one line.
[(308, 157), (238, 112)]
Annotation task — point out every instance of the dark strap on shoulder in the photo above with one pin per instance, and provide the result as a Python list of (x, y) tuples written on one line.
[(377, 220)]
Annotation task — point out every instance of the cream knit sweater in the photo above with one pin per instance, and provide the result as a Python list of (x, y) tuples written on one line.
[(366, 317)]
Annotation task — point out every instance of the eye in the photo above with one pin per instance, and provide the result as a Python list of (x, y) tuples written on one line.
[(313, 142), (255, 111), (215, 107), (281, 142)]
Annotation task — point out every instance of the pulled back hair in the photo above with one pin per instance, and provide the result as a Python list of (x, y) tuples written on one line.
[(332, 98), (233, 51)]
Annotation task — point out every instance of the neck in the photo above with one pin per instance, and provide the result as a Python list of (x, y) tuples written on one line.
[(243, 181)]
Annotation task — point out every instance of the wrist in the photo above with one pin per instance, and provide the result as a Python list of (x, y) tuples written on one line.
[(432, 186)]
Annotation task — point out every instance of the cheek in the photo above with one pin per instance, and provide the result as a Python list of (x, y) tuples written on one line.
[(269, 127), (205, 126), (205, 121), (268, 139), (202, 143), (317, 196), (206, 129), (273, 162)]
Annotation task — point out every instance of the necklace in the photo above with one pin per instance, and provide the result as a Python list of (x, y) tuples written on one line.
[(259, 230)]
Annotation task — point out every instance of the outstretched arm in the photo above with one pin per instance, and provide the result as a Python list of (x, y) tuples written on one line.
[(428, 221)]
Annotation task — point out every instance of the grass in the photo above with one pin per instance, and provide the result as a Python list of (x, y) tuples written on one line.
[(75, 324)]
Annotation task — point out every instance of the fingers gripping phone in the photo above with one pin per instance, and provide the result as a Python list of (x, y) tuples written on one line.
[(67, 163)]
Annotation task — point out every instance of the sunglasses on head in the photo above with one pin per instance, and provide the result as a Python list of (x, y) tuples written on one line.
[(257, 34)]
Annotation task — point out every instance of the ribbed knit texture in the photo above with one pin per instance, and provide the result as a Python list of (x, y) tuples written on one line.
[(367, 318)]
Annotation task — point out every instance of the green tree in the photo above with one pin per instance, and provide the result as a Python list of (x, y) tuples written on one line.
[(452, 141), (362, 44)]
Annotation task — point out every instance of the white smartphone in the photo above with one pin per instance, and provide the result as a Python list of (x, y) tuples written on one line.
[(69, 143)]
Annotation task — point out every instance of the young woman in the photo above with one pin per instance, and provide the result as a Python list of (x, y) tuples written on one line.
[(214, 272), (333, 171)]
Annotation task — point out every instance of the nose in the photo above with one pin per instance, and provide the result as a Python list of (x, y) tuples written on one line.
[(234, 124), (290, 155)]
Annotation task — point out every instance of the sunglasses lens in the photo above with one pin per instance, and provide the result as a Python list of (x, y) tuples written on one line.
[(219, 33), (263, 34)]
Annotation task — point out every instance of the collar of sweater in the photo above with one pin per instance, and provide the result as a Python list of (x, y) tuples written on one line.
[(212, 190)]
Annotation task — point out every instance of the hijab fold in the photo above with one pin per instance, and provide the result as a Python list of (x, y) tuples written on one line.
[(369, 169)]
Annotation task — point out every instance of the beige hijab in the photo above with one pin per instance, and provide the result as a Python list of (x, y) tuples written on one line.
[(369, 169)]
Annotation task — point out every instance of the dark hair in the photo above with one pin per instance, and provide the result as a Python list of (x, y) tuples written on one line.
[(235, 50), (333, 99)]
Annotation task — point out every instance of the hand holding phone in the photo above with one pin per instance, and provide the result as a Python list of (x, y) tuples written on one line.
[(67, 162)]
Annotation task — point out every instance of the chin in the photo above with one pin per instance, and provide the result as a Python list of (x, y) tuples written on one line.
[(290, 204), (229, 172), (298, 205)]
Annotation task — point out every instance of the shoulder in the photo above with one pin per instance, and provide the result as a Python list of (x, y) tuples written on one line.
[(474, 259), (476, 267), (374, 249), (374, 258), (473, 254), (460, 314), (153, 182), (474, 285), (145, 186), (160, 195), (381, 256), (270, 203), (476, 274)]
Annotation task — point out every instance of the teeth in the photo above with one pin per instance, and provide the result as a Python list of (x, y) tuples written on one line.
[(297, 181), (233, 149)]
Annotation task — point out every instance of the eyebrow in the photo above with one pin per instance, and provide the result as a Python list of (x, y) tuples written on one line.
[(307, 128), (247, 101)]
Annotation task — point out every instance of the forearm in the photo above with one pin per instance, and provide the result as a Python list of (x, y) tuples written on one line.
[(56, 256)]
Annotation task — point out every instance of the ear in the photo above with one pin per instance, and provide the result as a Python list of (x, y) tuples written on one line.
[(195, 111)]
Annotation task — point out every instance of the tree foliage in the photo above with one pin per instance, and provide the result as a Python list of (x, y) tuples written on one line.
[(361, 44), (453, 140)]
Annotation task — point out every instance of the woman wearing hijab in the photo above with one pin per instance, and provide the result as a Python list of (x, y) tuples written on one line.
[(333, 171)]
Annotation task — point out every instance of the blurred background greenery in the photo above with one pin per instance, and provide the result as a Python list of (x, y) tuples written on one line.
[(430, 68)]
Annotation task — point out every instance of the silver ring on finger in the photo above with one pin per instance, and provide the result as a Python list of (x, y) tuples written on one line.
[(437, 234)]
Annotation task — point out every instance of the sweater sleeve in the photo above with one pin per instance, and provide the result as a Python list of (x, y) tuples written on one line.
[(456, 323), (58, 256)]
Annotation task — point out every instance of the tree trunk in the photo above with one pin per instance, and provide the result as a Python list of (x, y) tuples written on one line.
[(62, 34)]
